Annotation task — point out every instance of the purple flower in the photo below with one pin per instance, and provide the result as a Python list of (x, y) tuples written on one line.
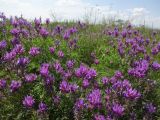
[(3, 44), (14, 23), (124, 33), (73, 87), (150, 108), (116, 32), (49, 80), (25, 33), (66, 75), (155, 51), (42, 107), (28, 101), (91, 74), (23, 61), (126, 84), (64, 87), (96, 61), (15, 32), (132, 94), (58, 29), (99, 117), (85, 83), (15, 41), (118, 109), (57, 66), (37, 22), (105, 80), (60, 54), (3, 83), (121, 51), (155, 66), (47, 21), (34, 51), (118, 75), (18, 49), (70, 64), (140, 69), (44, 70), (51, 49), (66, 35), (30, 77), (147, 41), (81, 71), (117, 86), (9, 56), (113, 80), (94, 98), (43, 32), (80, 104), (158, 46), (15, 85), (72, 30)]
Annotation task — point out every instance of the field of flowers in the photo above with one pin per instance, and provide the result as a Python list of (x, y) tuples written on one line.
[(78, 71)]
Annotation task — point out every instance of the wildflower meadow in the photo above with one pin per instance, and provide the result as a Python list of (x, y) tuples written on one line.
[(53, 70)]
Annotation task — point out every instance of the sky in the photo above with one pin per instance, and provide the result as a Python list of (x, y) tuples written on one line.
[(137, 11)]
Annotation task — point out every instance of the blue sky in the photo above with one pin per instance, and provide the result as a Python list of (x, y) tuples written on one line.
[(134, 10), (152, 5)]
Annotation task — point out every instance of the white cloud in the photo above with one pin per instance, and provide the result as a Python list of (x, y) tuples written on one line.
[(136, 12), (74, 9)]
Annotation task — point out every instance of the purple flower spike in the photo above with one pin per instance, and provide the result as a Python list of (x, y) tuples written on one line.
[(15, 32), (140, 69), (22, 61), (91, 74), (47, 21), (43, 32), (60, 54), (3, 44), (51, 49), (99, 117), (155, 51), (132, 94), (19, 49), (80, 104), (42, 107), (150, 108), (105, 80), (118, 75), (34, 51), (94, 98), (49, 80), (2, 84), (81, 71), (44, 70), (15, 85), (9, 56), (30, 77), (64, 87), (66, 35), (96, 61), (85, 83), (15, 41), (57, 66), (73, 87), (28, 101), (118, 109), (70, 64), (156, 66)]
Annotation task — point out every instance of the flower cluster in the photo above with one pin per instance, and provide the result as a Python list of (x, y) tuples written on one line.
[(60, 71)]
